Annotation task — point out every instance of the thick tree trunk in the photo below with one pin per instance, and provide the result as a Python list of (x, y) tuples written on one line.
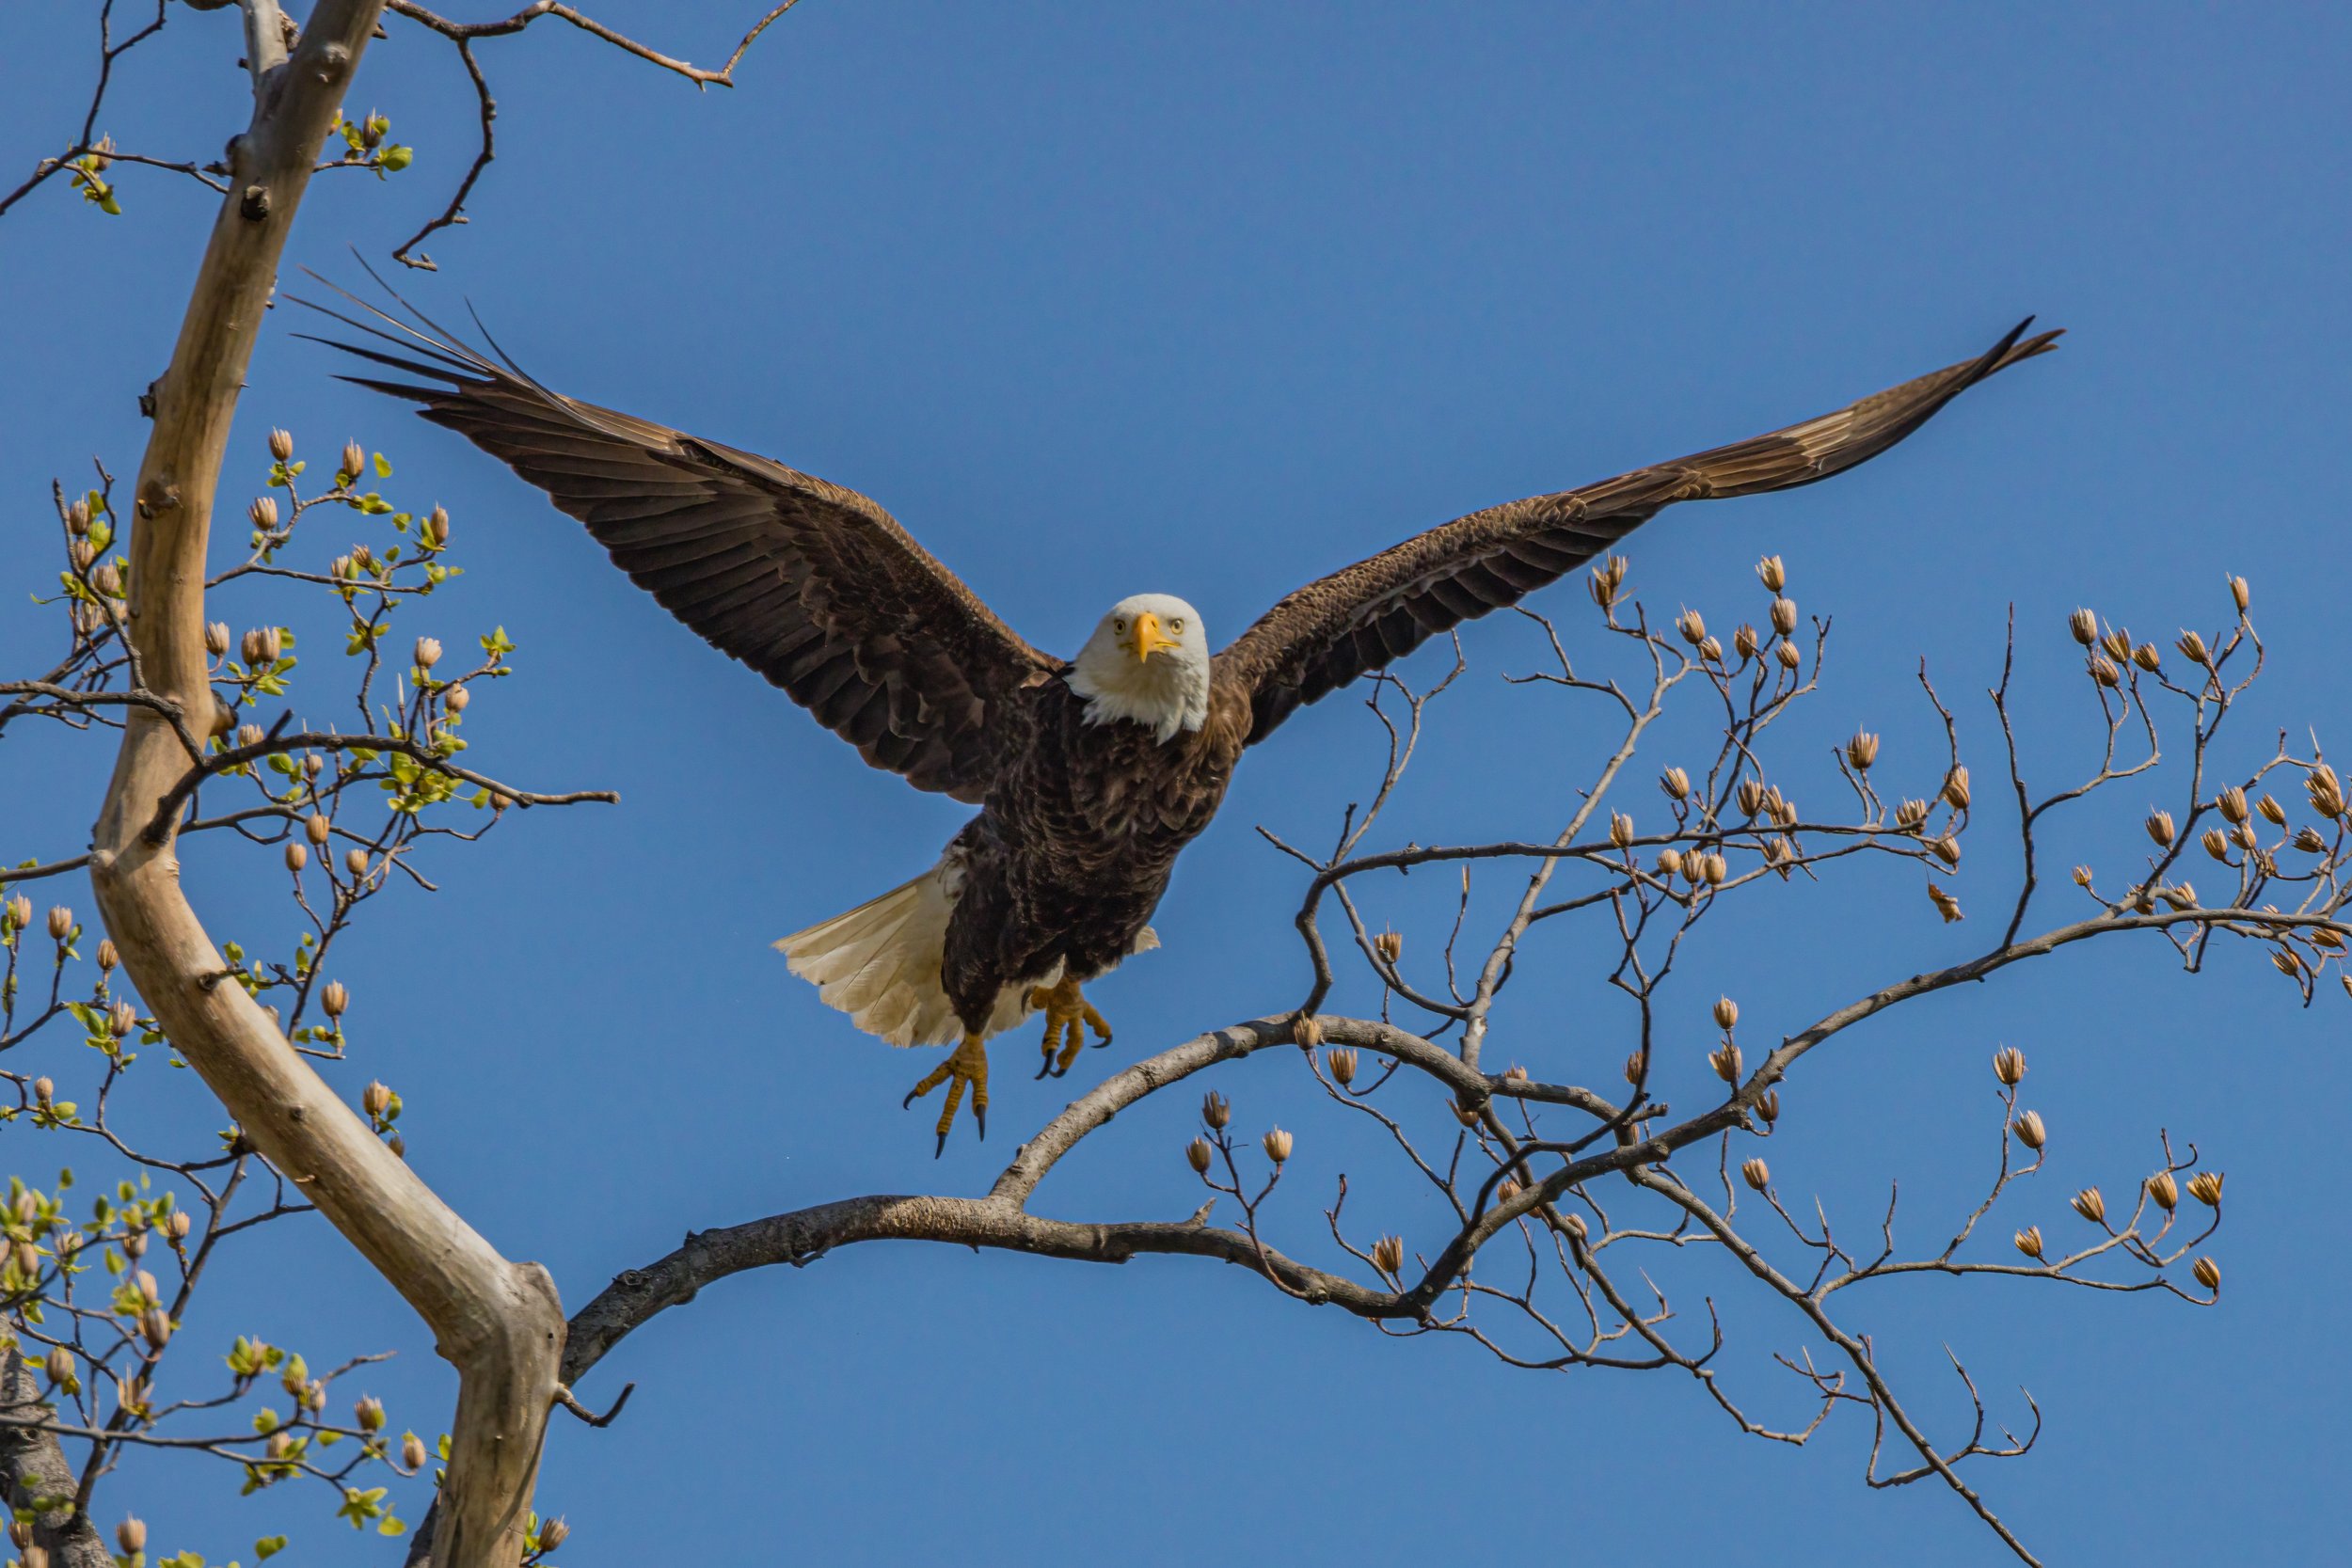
[(33, 1465), (499, 1322)]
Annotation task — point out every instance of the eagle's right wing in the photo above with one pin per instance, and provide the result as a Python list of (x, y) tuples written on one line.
[(814, 586)]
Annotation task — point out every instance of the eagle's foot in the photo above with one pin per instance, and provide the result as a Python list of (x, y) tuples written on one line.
[(1067, 1015), (967, 1065)]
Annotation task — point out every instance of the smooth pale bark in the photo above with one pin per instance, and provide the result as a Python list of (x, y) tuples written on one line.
[(499, 1322)]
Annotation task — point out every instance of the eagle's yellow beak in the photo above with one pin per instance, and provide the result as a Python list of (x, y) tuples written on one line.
[(1146, 638)]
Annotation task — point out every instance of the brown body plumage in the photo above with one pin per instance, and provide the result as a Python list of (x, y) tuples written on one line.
[(1084, 805)]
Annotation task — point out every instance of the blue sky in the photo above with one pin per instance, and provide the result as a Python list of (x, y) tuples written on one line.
[(1208, 300)]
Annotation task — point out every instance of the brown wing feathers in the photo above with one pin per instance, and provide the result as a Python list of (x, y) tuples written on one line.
[(814, 586), (1360, 618)]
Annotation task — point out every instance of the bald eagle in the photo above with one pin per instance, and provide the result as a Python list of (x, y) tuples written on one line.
[(1091, 773)]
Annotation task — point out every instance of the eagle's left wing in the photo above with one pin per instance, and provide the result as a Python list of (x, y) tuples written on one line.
[(1360, 618)]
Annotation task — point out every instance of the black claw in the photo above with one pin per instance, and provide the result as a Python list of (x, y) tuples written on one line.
[(943, 1147), (908, 1101), (1100, 1044), (1047, 1068), (979, 1119)]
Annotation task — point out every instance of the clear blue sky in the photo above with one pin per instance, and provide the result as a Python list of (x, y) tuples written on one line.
[(1207, 300)]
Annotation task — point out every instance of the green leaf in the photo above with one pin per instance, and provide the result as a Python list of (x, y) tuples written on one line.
[(383, 467), (268, 1547)]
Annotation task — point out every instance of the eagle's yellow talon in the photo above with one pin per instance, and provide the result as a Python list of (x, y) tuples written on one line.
[(967, 1065), (1067, 1014)]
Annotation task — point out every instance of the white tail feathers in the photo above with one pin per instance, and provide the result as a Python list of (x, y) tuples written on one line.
[(879, 963)]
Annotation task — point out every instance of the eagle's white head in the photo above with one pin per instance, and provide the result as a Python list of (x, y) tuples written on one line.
[(1148, 663)]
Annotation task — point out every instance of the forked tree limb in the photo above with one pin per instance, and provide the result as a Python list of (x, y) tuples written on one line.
[(499, 1322)]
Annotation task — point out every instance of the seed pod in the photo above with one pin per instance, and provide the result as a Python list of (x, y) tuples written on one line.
[(1773, 572), (435, 528), (1635, 1066), (273, 641), (428, 653), (1788, 657), (2273, 812), (59, 1365), (1785, 812), (131, 1535), (61, 922), (44, 1093), (1388, 1255), (33, 1555), (363, 558), (1676, 782), (263, 513), (1692, 625), (2231, 802), (1604, 592), (2159, 827), (1620, 829), (553, 1534), (1669, 863), (1768, 1106), (333, 998), (2205, 1187), (2146, 656), (1724, 1059), (1862, 750), (77, 517), (280, 445), (81, 554), (1756, 1173), (2193, 648), (1956, 788), (1277, 1143), (2118, 643), (1784, 616), (2166, 1190), (251, 735), (107, 956), (2029, 1242), (2104, 670), (1751, 796), (1198, 1154), (1947, 849), (2325, 790), (1506, 1190), (2208, 1274), (1390, 945), (354, 462), (2008, 1066), (1710, 649), (376, 1098), (1745, 642), (1715, 869), (25, 1259), (108, 578), (216, 638), (2240, 593), (1911, 816), (355, 862), (412, 1450), (369, 1414), (179, 1224), (2092, 1206), (121, 1018), (1215, 1110), (1341, 1060), (1726, 1013), (342, 568), (456, 698), (2031, 1130), (155, 1328), (2085, 626), (2217, 844)]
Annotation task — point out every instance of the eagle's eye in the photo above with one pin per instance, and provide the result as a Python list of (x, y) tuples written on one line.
[(1120, 627), (1177, 625)]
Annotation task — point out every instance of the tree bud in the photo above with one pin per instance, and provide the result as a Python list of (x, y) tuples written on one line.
[(1676, 782), (1620, 829), (178, 1225), (398, 1145), (150, 1292), (1278, 1145), (2085, 626), (2208, 1274), (19, 911), (1342, 1059), (108, 578), (32, 1556), (2166, 1190), (1756, 1173), (216, 638), (553, 1534), (2008, 1064), (1956, 788), (354, 462), (1711, 650), (131, 1535), (334, 998), (1215, 1110), (2193, 648), (412, 1450), (1692, 625), (107, 956), (376, 1098), (1773, 572), (1724, 1059), (368, 1412), (435, 528), (1714, 869), (61, 922), (81, 554), (1669, 863), (263, 513), (2217, 844), (318, 829), (135, 1243), (2031, 1130), (2092, 1206), (1788, 657), (355, 862), (342, 568), (59, 1365), (1390, 945), (1911, 816), (456, 698), (2180, 896), (282, 446), (1388, 1255), (77, 517), (2205, 1187), (155, 1327), (298, 856), (1197, 1155), (2029, 1242), (2160, 827), (2240, 593), (251, 735), (1862, 750), (428, 653), (1768, 1106), (121, 1018), (1751, 796), (264, 645), (363, 558), (1726, 1013), (1507, 1189), (1745, 642), (2104, 670), (1635, 1066), (1784, 616)]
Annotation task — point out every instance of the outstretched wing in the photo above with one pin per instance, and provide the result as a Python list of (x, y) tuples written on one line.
[(1359, 619), (814, 586)]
